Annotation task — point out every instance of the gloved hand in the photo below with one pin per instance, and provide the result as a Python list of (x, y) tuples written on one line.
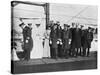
[(69, 41), (58, 42), (26, 41), (50, 42), (28, 37)]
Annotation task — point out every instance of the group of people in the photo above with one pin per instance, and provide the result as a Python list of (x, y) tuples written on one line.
[(71, 41)]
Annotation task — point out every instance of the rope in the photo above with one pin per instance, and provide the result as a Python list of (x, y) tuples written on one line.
[(77, 14)]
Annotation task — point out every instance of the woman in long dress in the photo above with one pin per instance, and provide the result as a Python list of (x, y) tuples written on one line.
[(46, 50), (37, 35)]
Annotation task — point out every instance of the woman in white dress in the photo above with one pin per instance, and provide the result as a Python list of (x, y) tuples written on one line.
[(46, 50), (37, 35)]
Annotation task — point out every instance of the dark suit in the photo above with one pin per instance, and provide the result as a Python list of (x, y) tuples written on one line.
[(86, 41), (54, 46), (76, 40), (66, 37), (89, 40), (72, 50), (59, 34), (28, 42), (83, 41)]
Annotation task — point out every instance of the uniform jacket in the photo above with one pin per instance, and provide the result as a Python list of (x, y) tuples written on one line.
[(27, 36), (76, 38), (59, 31), (87, 38), (54, 38), (66, 37)]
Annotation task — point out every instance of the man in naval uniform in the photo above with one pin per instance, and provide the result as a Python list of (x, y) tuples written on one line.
[(28, 42)]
